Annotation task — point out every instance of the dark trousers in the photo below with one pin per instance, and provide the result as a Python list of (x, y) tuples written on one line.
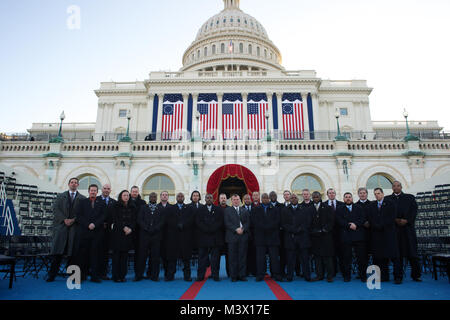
[(324, 264), (416, 271), (251, 258), (104, 254), (88, 255), (383, 263), (237, 258), (261, 265), (172, 267), (119, 265), (361, 258), (300, 255), (204, 258), (283, 257), (56, 264), (148, 249)]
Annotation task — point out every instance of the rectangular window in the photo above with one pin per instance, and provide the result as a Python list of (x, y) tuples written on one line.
[(344, 111), (122, 113)]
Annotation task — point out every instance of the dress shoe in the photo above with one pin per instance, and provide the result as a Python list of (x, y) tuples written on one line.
[(200, 279), (316, 279), (289, 279), (137, 279), (216, 279), (106, 278), (244, 279), (154, 279), (234, 279), (417, 279), (116, 280), (50, 279), (308, 280), (259, 279), (96, 280), (167, 279), (278, 278), (398, 281), (347, 279), (330, 280), (187, 279), (123, 280)]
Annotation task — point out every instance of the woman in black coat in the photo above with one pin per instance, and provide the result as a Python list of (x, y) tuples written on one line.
[(123, 226)]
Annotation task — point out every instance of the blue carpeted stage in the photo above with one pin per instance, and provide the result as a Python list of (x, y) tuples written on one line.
[(30, 288)]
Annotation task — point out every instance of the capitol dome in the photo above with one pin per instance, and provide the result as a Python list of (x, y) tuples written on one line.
[(232, 41)]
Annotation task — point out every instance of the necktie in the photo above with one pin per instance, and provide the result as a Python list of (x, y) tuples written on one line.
[(334, 206), (72, 195), (379, 204)]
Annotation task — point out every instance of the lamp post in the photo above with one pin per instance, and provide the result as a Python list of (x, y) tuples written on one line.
[(409, 136), (339, 136), (269, 138), (127, 136), (59, 138)]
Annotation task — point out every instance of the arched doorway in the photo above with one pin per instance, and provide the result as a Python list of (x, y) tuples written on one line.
[(232, 179)]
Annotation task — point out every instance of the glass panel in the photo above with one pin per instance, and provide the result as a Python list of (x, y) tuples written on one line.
[(379, 181)]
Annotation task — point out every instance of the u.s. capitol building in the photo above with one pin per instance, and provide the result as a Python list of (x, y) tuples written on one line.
[(233, 120)]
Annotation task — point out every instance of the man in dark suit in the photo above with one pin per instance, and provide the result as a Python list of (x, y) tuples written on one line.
[(179, 224), (210, 238), (164, 207), (195, 206), (296, 221), (322, 245), (237, 223), (282, 251), (91, 214), (350, 221), (382, 220), (64, 227), (287, 198), (333, 203), (406, 208), (267, 238), (251, 252), (224, 250), (105, 242), (151, 222), (256, 198), (307, 202), (138, 202), (365, 205)]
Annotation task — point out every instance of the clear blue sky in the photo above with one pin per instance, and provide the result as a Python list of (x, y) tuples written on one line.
[(400, 46)]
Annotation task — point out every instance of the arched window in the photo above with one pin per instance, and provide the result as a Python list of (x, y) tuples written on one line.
[(379, 180), (214, 49), (258, 51), (241, 47), (222, 48), (307, 181), (206, 52), (159, 183), (85, 181), (198, 54), (250, 49)]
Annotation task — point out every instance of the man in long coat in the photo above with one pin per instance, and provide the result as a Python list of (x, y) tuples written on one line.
[(64, 226), (406, 208)]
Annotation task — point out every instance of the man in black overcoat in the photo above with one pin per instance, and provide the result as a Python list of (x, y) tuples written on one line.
[(335, 204), (224, 250), (251, 252), (150, 220), (296, 221), (109, 203), (164, 206), (384, 242), (138, 202), (274, 202), (210, 238), (179, 224), (350, 221), (267, 238), (406, 207), (322, 242), (91, 216), (365, 205), (237, 223)]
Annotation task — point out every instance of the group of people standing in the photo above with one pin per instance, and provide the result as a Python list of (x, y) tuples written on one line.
[(289, 233)]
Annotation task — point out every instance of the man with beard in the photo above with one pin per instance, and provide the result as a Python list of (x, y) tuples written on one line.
[(406, 208), (210, 236), (151, 222), (180, 230), (267, 238), (296, 221), (350, 220)]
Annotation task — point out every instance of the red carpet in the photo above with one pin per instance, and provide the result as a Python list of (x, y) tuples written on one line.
[(195, 288), (276, 289)]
